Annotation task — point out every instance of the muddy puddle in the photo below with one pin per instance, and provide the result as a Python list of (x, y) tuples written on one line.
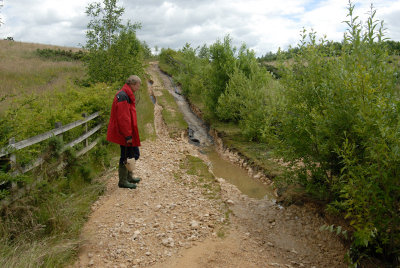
[(239, 177), (198, 135)]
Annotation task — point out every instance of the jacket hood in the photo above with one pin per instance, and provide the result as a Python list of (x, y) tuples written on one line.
[(127, 89)]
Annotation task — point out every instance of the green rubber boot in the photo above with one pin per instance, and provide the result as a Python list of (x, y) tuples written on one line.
[(132, 179), (123, 178)]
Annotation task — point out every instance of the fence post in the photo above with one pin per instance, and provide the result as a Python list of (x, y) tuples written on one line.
[(13, 157), (58, 125), (86, 129), (13, 162)]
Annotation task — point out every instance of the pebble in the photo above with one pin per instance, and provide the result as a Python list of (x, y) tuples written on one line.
[(168, 242), (192, 238), (194, 224), (136, 235)]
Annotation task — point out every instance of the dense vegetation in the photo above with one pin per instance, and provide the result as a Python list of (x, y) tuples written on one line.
[(23, 72), (60, 54), (41, 227), (331, 48), (333, 117)]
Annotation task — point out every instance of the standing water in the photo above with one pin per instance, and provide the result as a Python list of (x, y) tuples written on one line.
[(238, 176), (221, 168)]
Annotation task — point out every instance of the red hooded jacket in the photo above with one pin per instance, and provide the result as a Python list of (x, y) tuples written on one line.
[(123, 120)]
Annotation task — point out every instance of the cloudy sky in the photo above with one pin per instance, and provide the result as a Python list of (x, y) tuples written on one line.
[(264, 25)]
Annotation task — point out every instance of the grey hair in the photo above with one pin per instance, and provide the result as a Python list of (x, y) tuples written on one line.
[(133, 80)]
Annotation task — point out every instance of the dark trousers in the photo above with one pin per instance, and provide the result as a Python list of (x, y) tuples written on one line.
[(128, 152)]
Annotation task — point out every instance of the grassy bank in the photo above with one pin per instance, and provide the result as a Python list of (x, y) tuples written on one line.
[(23, 71), (171, 113)]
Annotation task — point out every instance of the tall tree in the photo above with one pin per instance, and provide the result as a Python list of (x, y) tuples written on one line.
[(114, 50), (105, 24)]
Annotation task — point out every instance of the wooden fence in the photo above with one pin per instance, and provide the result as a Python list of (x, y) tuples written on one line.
[(15, 146)]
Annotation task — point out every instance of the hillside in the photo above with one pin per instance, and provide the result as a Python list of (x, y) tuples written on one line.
[(23, 71)]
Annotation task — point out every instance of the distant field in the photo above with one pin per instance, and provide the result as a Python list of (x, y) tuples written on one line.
[(23, 72)]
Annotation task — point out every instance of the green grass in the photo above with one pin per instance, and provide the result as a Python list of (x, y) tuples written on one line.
[(22, 71), (195, 166), (166, 68), (171, 114), (42, 229), (145, 114)]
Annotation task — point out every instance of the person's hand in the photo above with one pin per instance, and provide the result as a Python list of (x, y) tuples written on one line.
[(129, 141)]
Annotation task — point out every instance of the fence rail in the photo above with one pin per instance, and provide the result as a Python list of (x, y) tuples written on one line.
[(15, 146), (44, 136)]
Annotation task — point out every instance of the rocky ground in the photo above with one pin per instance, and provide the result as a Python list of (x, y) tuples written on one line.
[(173, 220)]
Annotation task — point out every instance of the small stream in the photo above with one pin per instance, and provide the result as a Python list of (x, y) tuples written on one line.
[(198, 135), (197, 131)]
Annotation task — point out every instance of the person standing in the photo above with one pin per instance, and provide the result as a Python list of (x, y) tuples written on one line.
[(123, 129)]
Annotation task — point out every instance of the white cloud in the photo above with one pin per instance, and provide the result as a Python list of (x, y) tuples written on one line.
[(264, 25)]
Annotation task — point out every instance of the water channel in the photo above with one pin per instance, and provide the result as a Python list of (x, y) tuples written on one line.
[(198, 134)]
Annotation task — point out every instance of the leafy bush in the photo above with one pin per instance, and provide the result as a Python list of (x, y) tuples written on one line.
[(123, 58), (36, 114), (114, 52), (340, 132), (222, 56), (60, 55), (249, 98)]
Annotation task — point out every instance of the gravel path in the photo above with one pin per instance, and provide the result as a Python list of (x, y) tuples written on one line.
[(170, 220)]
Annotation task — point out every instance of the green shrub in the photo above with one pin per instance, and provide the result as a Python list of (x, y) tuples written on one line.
[(250, 97), (114, 52), (123, 58), (231, 102), (222, 56), (60, 55), (340, 132)]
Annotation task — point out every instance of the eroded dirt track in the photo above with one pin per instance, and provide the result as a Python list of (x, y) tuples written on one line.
[(169, 222)]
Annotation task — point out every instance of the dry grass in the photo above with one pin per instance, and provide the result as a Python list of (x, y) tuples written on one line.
[(23, 72)]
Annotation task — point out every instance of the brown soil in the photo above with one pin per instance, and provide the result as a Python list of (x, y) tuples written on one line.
[(169, 222)]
